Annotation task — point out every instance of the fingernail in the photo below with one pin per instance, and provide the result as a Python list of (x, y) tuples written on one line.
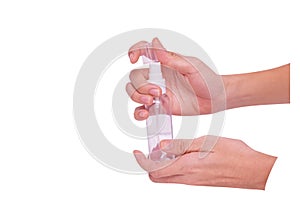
[(164, 144), (135, 152), (154, 92), (142, 114), (145, 100)]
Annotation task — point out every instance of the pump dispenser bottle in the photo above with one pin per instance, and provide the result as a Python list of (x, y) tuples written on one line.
[(159, 122)]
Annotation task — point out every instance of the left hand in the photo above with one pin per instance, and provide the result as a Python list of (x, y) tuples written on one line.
[(231, 163)]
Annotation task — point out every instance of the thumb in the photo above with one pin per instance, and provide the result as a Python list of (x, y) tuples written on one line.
[(181, 146), (172, 60), (157, 44)]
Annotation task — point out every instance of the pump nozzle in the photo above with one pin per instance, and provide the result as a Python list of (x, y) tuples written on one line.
[(155, 75), (150, 55)]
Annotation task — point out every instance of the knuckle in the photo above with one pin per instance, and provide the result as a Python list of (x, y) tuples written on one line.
[(133, 74), (242, 143)]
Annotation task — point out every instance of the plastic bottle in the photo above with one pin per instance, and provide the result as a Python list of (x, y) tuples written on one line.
[(159, 122)]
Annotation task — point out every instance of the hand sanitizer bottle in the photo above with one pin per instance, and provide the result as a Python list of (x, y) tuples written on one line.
[(159, 122)]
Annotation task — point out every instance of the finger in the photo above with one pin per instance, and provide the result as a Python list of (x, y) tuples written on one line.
[(141, 113), (180, 166), (138, 78), (188, 179), (157, 45), (172, 60), (150, 165), (182, 146), (139, 49), (136, 51), (169, 179), (137, 97), (167, 58), (141, 159)]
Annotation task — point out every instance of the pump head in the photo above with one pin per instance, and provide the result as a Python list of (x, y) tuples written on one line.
[(155, 74)]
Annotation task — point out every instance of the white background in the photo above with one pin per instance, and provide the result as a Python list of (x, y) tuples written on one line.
[(42, 47)]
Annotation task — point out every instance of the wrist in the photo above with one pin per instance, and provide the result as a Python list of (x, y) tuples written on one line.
[(237, 95), (261, 170)]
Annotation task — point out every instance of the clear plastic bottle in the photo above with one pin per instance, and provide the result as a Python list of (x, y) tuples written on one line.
[(159, 122), (159, 127)]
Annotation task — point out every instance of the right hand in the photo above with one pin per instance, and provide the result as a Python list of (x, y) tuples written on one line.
[(191, 85)]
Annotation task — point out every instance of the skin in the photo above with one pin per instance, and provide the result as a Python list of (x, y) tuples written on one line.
[(194, 89), (231, 163)]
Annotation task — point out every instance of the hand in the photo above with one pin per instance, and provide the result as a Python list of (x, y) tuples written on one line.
[(231, 163), (195, 89), (191, 84)]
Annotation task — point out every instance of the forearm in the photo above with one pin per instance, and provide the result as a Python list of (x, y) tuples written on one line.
[(258, 88)]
